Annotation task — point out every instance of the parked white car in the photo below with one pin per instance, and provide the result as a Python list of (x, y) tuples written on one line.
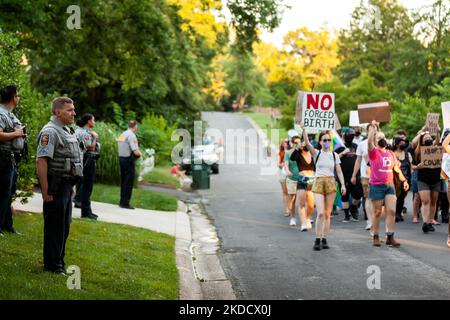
[(207, 154)]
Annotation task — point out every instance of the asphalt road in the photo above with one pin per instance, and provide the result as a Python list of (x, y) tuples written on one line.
[(267, 259)]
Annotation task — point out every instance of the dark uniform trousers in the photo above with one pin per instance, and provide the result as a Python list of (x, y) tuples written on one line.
[(127, 174), (57, 219), (8, 178), (86, 185)]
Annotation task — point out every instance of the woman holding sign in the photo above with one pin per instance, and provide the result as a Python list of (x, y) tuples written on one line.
[(383, 163), (429, 179), (326, 162)]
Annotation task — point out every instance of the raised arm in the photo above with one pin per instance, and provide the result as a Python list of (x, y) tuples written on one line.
[(308, 144), (371, 137)]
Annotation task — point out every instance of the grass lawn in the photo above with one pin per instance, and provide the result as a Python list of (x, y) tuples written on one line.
[(161, 175), (116, 262), (262, 119), (143, 199)]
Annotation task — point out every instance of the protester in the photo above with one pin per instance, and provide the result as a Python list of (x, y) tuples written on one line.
[(347, 154), (383, 163), (405, 159), (284, 147), (428, 182), (361, 167), (292, 175), (305, 196), (324, 188)]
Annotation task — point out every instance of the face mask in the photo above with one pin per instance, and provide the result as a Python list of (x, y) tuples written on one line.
[(382, 143), (305, 149), (428, 143), (326, 144), (357, 134), (403, 146)]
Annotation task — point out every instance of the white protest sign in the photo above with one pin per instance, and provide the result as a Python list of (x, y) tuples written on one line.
[(318, 111), (446, 114), (354, 120)]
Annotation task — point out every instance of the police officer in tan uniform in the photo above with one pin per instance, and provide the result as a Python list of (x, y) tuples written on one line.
[(59, 167)]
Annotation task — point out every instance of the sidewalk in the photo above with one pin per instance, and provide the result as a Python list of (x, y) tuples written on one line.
[(176, 224)]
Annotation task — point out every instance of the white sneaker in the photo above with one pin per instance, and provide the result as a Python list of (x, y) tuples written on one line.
[(293, 223), (368, 225), (304, 227), (308, 225), (287, 214)]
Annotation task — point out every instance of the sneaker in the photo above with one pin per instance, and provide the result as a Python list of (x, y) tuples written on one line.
[(324, 244), (293, 223), (435, 223), (346, 219), (425, 228), (304, 227), (368, 225), (309, 225), (376, 241), (431, 228), (354, 218), (390, 241), (317, 245), (287, 214)]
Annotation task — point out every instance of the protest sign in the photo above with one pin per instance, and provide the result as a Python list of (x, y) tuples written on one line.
[(354, 120), (299, 108), (318, 111), (446, 114), (433, 123), (431, 156), (378, 111)]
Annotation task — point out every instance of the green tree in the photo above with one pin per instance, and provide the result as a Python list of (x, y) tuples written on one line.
[(371, 41)]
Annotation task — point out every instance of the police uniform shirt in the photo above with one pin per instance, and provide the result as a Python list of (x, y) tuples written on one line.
[(48, 140), (5, 124), (86, 138), (127, 143)]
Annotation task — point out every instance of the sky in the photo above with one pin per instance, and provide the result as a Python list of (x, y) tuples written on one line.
[(313, 14)]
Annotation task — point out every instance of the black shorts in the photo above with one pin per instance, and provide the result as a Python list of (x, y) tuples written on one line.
[(355, 190)]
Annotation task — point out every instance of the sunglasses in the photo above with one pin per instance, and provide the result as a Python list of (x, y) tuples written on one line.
[(326, 140)]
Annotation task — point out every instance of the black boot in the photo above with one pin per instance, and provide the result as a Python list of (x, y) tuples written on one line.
[(317, 245), (347, 216), (354, 212)]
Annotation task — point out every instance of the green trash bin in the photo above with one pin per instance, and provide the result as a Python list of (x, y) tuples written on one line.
[(200, 176)]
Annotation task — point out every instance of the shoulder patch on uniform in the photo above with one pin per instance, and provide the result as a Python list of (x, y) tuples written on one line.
[(44, 139), (121, 139)]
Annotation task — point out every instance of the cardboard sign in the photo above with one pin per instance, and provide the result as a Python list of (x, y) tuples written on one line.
[(354, 120), (299, 108), (378, 111), (446, 114), (318, 111), (431, 156), (433, 123)]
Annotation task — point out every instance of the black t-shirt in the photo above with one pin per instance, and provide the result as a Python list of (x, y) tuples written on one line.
[(427, 175), (301, 162), (348, 160)]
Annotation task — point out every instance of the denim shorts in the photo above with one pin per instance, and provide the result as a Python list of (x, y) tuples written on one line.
[(379, 192)]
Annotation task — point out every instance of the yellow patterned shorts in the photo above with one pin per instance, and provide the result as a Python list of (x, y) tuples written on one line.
[(324, 185)]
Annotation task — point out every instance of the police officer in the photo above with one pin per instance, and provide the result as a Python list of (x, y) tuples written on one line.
[(59, 167), (12, 142), (89, 144), (128, 154)]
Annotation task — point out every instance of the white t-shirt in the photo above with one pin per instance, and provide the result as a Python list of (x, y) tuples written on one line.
[(363, 151), (325, 166)]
